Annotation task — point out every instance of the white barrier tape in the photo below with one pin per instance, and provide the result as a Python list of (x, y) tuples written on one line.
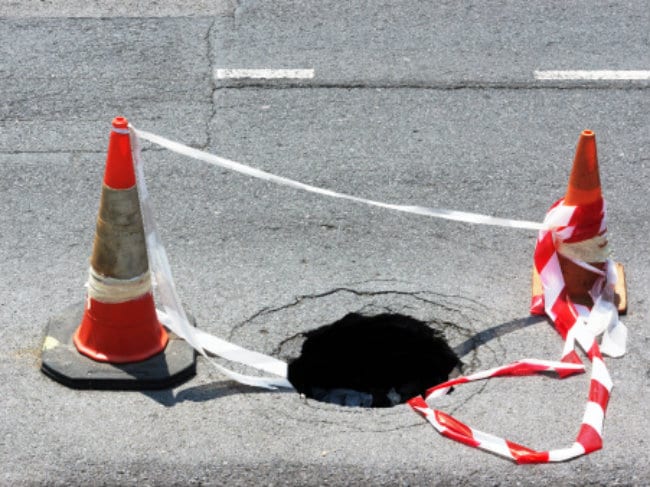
[(229, 351), (173, 315), (445, 214), (111, 290), (232, 352)]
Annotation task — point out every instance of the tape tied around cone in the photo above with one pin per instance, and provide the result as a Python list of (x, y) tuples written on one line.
[(111, 290), (119, 267)]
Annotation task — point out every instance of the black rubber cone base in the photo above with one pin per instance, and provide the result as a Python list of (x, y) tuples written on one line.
[(62, 362)]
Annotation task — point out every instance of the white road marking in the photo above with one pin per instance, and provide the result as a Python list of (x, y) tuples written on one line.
[(264, 73), (604, 74)]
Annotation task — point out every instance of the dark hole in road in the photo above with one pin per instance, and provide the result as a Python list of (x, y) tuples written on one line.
[(371, 361)]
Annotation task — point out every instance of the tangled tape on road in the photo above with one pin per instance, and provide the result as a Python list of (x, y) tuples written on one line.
[(576, 323)]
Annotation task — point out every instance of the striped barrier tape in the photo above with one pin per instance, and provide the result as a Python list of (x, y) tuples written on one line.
[(454, 429), (575, 323)]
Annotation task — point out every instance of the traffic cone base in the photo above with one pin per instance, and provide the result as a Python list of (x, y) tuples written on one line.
[(62, 361)]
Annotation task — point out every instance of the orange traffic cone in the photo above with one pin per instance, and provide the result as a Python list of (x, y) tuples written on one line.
[(584, 189), (118, 322)]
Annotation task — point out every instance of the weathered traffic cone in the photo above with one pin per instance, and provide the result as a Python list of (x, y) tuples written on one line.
[(120, 323), (583, 190), (114, 340)]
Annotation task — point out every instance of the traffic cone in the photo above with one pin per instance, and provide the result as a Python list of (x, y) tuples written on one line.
[(115, 340), (120, 323), (583, 189)]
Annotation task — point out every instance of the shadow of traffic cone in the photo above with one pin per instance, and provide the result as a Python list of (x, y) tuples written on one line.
[(118, 328), (583, 190)]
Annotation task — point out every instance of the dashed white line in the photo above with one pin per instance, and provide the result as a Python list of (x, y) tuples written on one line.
[(597, 75), (264, 73)]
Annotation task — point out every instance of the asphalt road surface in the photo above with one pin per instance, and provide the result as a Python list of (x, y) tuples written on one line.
[(442, 104)]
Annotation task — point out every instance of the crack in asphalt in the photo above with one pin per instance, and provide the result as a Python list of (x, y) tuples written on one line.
[(278, 349), (305, 297), (213, 84)]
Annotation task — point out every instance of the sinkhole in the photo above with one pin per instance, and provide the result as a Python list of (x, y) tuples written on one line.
[(371, 361)]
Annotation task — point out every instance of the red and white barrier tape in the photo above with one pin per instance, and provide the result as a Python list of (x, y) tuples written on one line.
[(571, 224), (563, 225), (576, 324), (452, 428)]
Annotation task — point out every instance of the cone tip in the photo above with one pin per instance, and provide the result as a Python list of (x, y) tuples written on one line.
[(119, 173), (584, 181), (120, 123)]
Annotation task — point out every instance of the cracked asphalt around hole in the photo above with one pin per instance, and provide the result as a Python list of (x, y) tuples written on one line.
[(426, 103)]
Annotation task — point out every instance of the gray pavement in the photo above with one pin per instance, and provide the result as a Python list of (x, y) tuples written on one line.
[(426, 103)]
